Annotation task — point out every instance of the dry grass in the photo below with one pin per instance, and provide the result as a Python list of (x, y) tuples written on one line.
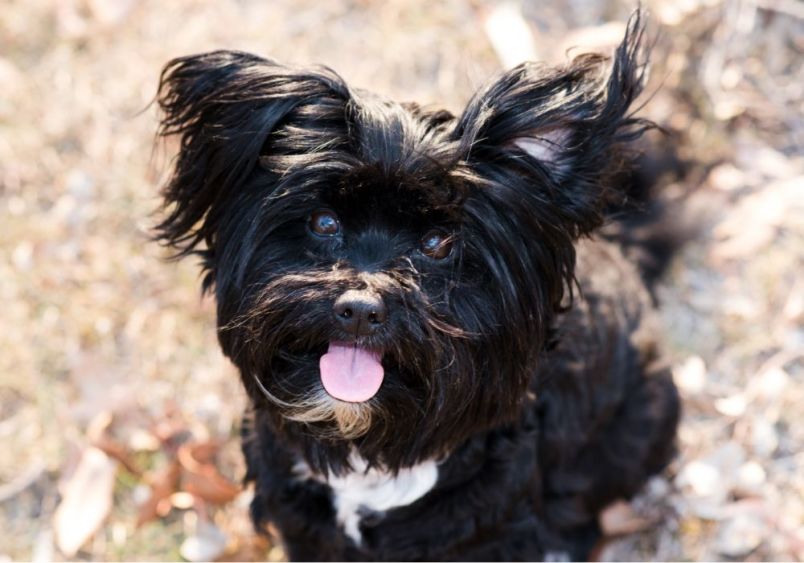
[(94, 320)]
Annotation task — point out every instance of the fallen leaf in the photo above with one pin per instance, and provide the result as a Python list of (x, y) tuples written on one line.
[(163, 485), (201, 478), (117, 451), (86, 500), (99, 436)]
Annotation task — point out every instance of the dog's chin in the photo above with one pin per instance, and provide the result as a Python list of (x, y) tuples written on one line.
[(325, 416), (333, 418)]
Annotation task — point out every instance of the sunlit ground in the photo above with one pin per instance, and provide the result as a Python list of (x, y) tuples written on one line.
[(118, 414)]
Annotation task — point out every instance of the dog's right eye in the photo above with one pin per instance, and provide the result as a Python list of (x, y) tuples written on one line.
[(436, 244), (325, 223)]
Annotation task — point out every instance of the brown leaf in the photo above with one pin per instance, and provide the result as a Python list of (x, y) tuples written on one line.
[(117, 451), (99, 435), (201, 478), (202, 453), (163, 485), (86, 500)]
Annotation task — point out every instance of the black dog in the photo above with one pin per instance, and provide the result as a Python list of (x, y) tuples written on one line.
[(396, 287)]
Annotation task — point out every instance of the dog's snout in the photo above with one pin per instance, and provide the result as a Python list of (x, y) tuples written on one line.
[(360, 312)]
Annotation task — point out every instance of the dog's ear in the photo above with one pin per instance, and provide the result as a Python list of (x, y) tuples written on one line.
[(559, 128), (224, 106)]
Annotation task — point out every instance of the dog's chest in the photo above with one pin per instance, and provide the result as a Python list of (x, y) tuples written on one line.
[(362, 492)]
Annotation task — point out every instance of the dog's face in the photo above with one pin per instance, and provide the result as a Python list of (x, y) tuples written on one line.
[(385, 275)]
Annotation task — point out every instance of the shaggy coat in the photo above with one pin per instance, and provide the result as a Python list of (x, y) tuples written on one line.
[(518, 355)]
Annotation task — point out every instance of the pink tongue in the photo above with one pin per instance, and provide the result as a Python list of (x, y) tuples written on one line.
[(350, 373)]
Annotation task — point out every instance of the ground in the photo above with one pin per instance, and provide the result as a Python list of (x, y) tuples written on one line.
[(118, 414)]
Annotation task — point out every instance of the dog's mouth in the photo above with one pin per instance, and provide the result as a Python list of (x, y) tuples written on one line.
[(351, 373)]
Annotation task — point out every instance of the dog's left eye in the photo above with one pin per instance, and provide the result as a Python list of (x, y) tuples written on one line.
[(325, 223), (436, 244)]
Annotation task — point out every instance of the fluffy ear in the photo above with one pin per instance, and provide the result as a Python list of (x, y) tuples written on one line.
[(224, 106), (560, 127)]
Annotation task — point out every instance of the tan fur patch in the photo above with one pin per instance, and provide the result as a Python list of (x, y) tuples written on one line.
[(352, 419)]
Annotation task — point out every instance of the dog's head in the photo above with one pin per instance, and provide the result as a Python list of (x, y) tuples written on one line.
[(386, 276)]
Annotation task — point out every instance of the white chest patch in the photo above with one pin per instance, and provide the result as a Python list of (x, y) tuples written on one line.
[(375, 490)]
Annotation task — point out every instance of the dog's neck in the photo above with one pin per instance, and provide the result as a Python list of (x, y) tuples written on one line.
[(368, 491)]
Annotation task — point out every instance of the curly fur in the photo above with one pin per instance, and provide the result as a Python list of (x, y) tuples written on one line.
[(539, 406)]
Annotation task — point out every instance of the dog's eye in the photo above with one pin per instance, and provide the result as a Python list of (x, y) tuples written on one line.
[(325, 223), (436, 244)]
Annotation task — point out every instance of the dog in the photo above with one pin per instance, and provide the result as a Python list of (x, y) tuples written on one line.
[(443, 360)]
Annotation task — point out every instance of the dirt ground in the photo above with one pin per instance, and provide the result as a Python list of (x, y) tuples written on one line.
[(118, 414)]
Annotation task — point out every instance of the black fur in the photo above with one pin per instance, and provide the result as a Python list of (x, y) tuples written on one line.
[(540, 408)]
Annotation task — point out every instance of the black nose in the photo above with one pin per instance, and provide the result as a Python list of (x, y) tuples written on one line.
[(360, 312)]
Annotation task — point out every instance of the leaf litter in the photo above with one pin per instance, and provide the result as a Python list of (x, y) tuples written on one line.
[(123, 414)]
